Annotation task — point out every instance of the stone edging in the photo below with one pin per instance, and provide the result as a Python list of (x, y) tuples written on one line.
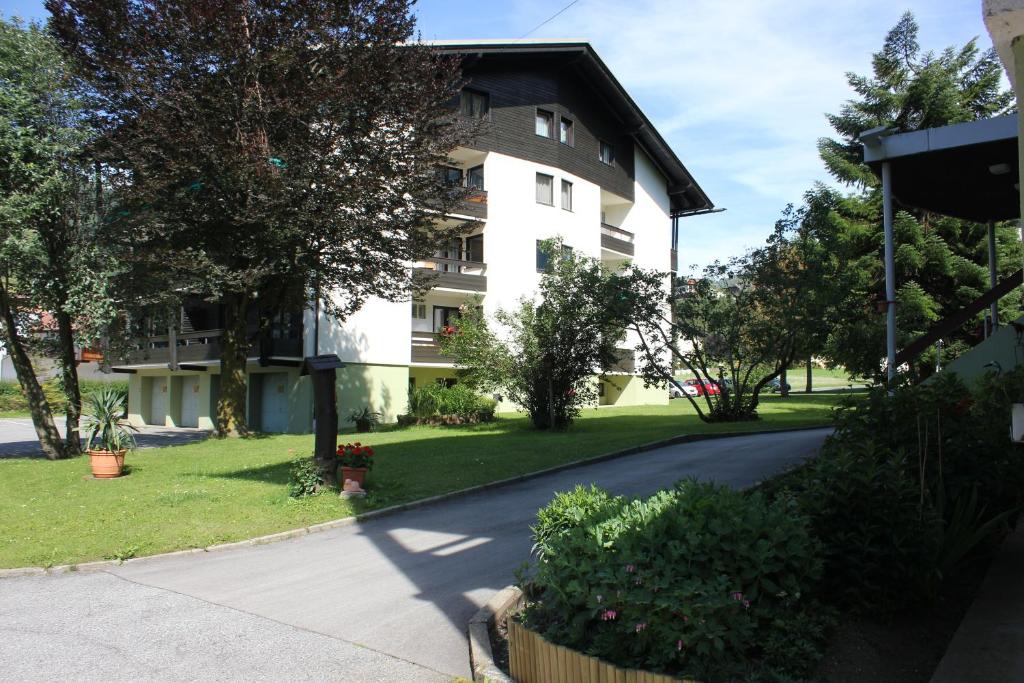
[(102, 565), (481, 658)]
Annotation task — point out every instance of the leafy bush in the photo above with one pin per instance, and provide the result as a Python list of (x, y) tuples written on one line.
[(698, 581), (567, 511), (304, 478), (436, 400), (12, 399), (877, 544)]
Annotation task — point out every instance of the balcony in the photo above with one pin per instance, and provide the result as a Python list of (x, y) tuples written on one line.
[(204, 347), (449, 273), (474, 205), (626, 363), (426, 349), (616, 239)]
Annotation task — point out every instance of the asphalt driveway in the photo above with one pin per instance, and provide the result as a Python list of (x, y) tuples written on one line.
[(18, 437), (387, 599)]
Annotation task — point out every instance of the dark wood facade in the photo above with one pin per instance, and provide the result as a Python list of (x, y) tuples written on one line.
[(517, 89)]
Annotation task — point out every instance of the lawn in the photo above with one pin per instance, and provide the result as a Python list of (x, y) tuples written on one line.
[(219, 491)]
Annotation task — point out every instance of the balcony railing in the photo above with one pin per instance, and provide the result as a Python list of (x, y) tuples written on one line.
[(616, 239), (426, 349), (469, 276), (205, 345), (474, 205), (626, 362)]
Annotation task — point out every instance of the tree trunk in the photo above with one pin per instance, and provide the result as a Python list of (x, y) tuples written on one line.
[(69, 378), (810, 375), (234, 350), (42, 417), (783, 391)]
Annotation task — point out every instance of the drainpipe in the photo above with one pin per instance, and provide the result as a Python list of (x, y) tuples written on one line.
[(890, 276), (992, 276)]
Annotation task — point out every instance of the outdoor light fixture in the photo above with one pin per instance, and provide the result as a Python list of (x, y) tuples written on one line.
[(1017, 423), (874, 136), (999, 169)]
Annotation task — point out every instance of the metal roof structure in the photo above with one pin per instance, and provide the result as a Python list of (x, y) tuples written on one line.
[(967, 170), (686, 195)]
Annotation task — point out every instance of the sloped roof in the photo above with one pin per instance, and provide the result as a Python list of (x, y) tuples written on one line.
[(685, 194)]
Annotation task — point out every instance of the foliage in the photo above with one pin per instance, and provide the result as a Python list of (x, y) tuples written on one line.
[(103, 423), (544, 354), (910, 487), (365, 418), (54, 276), (569, 510), (355, 455), (691, 581), (304, 478), (266, 151), (12, 397), (941, 262), (437, 400), (739, 325)]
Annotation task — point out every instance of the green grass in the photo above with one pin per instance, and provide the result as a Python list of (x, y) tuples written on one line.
[(218, 491)]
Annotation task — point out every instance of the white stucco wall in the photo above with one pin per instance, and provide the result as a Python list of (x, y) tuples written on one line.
[(378, 333)]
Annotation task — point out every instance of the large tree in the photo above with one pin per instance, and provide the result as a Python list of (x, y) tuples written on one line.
[(267, 152), (941, 262), (51, 289)]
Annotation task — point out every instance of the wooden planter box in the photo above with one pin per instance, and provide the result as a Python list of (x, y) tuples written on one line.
[(532, 659)]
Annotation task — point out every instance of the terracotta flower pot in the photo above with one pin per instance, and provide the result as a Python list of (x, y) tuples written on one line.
[(357, 474), (106, 465)]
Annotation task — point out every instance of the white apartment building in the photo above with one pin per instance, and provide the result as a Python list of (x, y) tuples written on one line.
[(564, 152)]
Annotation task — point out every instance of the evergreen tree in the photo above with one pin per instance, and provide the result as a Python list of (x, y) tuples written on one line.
[(941, 262)]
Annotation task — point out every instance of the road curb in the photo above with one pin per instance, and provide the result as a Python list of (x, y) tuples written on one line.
[(103, 565), (481, 656)]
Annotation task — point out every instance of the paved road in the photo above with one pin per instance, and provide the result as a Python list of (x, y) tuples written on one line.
[(384, 600), (18, 437)]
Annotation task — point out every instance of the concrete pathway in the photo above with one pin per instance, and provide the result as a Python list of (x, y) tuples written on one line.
[(18, 437), (387, 599)]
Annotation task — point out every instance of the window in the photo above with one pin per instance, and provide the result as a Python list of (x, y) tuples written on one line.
[(545, 189), (607, 154), (545, 124), (565, 132), (419, 311), (474, 104), (451, 176), (542, 255), (475, 177), (567, 195)]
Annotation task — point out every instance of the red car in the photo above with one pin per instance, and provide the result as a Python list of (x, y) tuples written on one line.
[(703, 388)]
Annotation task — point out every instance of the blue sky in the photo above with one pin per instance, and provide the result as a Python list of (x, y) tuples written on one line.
[(739, 89)]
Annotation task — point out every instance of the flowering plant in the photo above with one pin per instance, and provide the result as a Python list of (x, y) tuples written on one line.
[(355, 455)]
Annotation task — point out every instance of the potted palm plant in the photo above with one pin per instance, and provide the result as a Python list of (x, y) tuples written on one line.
[(108, 437), (365, 419)]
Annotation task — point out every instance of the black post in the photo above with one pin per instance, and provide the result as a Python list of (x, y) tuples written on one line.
[(322, 370)]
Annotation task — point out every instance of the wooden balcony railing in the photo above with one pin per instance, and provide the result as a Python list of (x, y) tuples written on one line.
[(616, 239), (426, 349), (469, 276), (204, 345)]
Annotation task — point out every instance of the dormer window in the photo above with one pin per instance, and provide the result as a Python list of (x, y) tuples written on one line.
[(474, 104)]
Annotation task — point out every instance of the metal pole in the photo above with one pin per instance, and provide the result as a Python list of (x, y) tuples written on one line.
[(890, 276), (992, 275)]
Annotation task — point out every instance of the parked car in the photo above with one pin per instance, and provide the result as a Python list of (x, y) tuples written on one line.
[(702, 388), (677, 389), (775, 386)]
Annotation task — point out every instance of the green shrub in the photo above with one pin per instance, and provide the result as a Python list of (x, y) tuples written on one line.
[(694, 581), (569, 510), (304, 478), (12, 399), (877, 543), (436, 400)]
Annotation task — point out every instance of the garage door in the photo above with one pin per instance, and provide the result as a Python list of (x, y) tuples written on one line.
[(274, 402), (158, 402), (190, 401)]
